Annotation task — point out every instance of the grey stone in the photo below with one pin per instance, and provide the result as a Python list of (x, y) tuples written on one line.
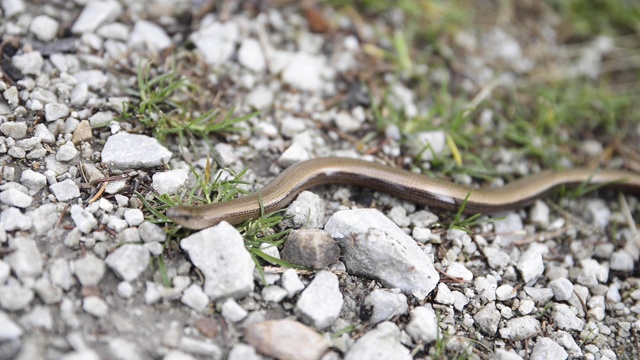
[(148, 35), (169, 182), (250, 55), (312, 248), (566, 319), (29, 63), (150, 232), (95, 79), (539, 214), (304, 72), (321, 302), (14, 129), (34, 181), (273, 293), (12, 219), (540, 295), (486, 287), (505, 292), (531, 264), (66, 152), (134, 217), (520, 328), (216, 41), (60, 274), (230, 273), (96, 13), (546, 348), (375, 247), (242, 352), (233, 312), (89, 270), (100, 119), (291, 282), (131, 151), (444, 295), (294, 154), (307, 210), (195, 298), (488, 319), (458, 270), (45, 217), (55, 111), (199, 347), (25, 261), (46, 291), (44, 27), (383, 342), (433, 141), (65, 190), (95, 306), (385, 305), (128, 261), (423, 326), (562, 289), (83, 219), (15, 298), (13, 7), (621, 260)]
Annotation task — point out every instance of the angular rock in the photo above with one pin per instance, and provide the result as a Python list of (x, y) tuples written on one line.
[(383, 342), (286, 339), (219, 252), (312, 248), (128, 261), (132, 151), (373, 246), (321, 302)]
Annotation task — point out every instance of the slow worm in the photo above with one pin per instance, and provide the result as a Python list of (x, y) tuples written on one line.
[(406, 185)]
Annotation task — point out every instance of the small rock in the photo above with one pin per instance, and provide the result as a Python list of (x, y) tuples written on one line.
[(100, 119), (65, 190), (510, 229), (134, 217), (312, 248), (55, 111), (82, 133), (433, 141), (291, 282), (30, 63), (562, 289), (13, 7), (488, 319), (216, 41), (546, 348), (531, 264), (12, 219), (273, 293), (383, 342), (385, 304), (321, 302), (250, 55), (423, 326), (505, 292), (260, 97), (150, 232), (66, 152), (14, 129), (94, 79), (132, 151), (34, 181), (95, 306), (621, 261), (520, 328), (294, 154), (44, 27), (373, 246), (301, 342), (89, 270), (9, 330), (15, 298), (42, 132), (233, 312), (128, 261), (307, 210), (566, 319), (539, 214), (15, 197), (486, 287), (242, 352), (148, 35), (304, 72), (169, 182), (25, 261), (60, 274), (540, 295), (96, 13), (195, 298), (230, 274), (83, 219), (459, 271)]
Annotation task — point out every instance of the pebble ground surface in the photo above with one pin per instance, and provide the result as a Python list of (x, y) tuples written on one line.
[(87, 272)]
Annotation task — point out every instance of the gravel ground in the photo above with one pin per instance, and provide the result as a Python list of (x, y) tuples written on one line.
[(85, 275)]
